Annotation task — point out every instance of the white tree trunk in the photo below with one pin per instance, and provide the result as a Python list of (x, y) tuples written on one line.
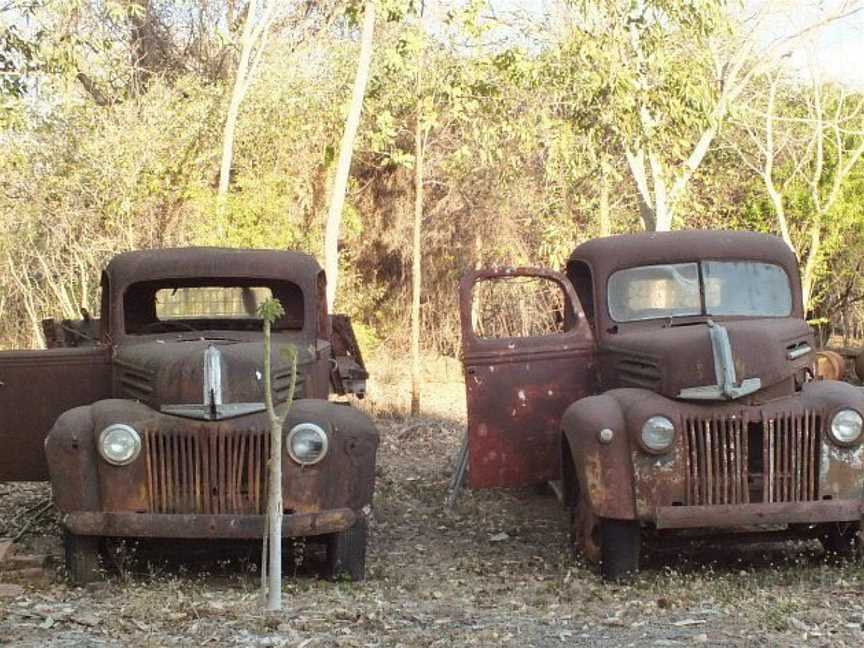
[(416, 266), (236, 99), (346, 151)]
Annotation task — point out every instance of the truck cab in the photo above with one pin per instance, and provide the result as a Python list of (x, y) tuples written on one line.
[(673, 389)]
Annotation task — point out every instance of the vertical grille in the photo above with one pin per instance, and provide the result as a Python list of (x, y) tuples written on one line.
[(206, 470), (791, 450), (716, 455), (730, 460)]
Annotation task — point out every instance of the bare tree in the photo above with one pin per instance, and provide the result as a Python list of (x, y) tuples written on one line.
[(662, 185), (346, 152), (818, 149), (256, 28), (271, 547)]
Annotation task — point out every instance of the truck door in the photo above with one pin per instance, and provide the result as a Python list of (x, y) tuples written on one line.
[(528, 353), (35, 388)]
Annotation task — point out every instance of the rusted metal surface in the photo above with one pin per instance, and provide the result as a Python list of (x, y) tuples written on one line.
[(751, 443), (206, 471), (348, 374), (35, 388), (237, 527), (830, 365), (71, 333), (733, 515), (193, 393), (517, 390)]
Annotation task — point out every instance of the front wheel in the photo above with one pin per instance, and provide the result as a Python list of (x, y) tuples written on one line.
[(620, 542), (82, 557), (841, 539), (346, 552)]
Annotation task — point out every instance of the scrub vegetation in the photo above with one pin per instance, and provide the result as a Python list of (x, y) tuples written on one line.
[(538, 126)]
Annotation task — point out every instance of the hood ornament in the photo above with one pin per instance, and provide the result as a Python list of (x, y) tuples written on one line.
[(212, 408), (727, 387)]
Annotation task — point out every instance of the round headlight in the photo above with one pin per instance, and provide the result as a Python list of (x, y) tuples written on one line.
[(657, 434), (119, 444), (307, 443), (846, 426)]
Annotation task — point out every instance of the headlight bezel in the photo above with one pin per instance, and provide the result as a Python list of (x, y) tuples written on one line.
[(303, 427), (119, 427), (840, 442), (657, 450)]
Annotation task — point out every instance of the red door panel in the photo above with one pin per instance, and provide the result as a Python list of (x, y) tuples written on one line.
[(518, 387), (35, 388)]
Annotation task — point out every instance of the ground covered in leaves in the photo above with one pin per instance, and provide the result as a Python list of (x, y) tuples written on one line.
[(493, 571)]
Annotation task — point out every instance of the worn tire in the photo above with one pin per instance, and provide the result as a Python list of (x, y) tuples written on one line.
[(346, 552), (620, 544), (841, 540), (82, 557)]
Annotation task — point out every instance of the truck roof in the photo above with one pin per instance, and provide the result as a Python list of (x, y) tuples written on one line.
[(149, 265), (611, 253)]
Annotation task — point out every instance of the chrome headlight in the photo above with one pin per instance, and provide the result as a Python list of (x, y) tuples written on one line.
[(119, 444), (657, 434), (846, 427), (307, 443)]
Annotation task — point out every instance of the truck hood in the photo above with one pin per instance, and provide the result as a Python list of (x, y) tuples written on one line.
[(209, 379), (682, 361)]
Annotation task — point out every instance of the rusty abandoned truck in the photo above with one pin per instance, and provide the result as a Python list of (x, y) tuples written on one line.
[(666, 380), (155, 417)]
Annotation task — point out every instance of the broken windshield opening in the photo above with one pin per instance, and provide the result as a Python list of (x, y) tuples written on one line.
[(709, 288)]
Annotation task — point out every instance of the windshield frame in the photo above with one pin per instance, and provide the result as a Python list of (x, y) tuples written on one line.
[(703, 310)]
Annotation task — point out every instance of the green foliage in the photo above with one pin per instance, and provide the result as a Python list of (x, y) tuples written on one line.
[(107, 153), (270, 310)]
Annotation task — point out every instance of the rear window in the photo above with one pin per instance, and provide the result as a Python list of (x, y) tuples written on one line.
[(210, 301), (197, 305)]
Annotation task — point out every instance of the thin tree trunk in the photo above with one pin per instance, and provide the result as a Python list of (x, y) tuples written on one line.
[(605, 216), (346, 150), (636, 162), (274, 485), (662, 208), (234, 110), (416, 277)]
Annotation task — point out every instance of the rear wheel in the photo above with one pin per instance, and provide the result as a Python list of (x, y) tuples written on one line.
[(620, 542), (82, 557), (346, 552), (841, 539)]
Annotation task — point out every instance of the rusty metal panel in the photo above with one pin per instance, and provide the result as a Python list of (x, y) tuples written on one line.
[(518, 388), (35, 388), (190, 525), (206, 470), (722, 468), (734, 515), (716, 451)]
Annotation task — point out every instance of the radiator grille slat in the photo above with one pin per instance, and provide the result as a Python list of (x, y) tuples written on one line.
[(716, 457), (722, 468), (793, 443), (205, 471)]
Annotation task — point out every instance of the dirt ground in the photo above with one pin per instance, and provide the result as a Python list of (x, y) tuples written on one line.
[(494, 571)]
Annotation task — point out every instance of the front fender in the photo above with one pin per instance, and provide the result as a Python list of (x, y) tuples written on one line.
[(604, 470), (346, 477), (70, 449)]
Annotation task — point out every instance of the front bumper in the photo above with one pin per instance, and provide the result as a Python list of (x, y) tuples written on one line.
[(204, 526), (736, 515)]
